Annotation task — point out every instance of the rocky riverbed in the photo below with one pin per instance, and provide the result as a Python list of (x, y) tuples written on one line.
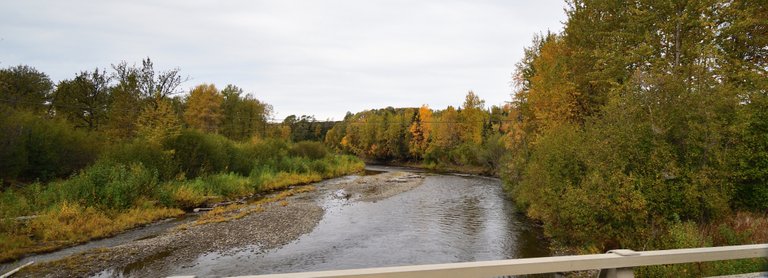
[(274, 225)]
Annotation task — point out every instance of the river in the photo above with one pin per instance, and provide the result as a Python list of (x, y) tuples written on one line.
[(448, 218)]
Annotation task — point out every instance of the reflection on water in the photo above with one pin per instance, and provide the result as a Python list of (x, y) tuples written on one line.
[(447, 219)]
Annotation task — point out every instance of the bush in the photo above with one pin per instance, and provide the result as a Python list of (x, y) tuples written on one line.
[(228, 185), (185, 195), (309, 149), (197, 153), (151, 156)]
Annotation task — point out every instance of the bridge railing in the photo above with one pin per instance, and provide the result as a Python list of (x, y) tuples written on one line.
[(617, 263)]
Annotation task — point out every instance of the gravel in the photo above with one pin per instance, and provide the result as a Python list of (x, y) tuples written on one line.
[(377, 187)]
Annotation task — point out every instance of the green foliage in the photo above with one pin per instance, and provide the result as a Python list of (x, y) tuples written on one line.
[(109, 185), (690, 235), (752, 163), (197, 153), (244, 117), (306, 128), (24, 87), (83, 100), (636, 127), (158, 122), (149, 155), (137, 180), (34, 148), (309, 149), (150, 166)]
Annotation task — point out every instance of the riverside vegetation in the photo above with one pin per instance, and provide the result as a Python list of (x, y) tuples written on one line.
[(103, 153)]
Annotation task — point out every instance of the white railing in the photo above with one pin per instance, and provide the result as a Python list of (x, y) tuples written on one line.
[(618, 263)]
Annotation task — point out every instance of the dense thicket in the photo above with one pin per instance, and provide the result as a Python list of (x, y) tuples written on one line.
[(639, 117)]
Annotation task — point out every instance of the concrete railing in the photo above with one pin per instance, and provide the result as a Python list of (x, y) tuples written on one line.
[(617, 263)]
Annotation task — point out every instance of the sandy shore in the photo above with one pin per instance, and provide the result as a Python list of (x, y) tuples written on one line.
[(278, 224)]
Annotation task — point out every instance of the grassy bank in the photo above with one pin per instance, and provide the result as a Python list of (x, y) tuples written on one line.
[(140, 182)]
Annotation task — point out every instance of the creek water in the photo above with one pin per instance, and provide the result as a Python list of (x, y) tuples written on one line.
[(449, 218)]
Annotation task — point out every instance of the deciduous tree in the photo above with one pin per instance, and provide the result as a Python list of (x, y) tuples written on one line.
[(203, 110), (25, 87)]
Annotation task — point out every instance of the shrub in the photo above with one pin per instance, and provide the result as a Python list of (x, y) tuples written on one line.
[(185, 195), (228, 185), (150, 155), (198, 153), (34, 148), (309, 149)]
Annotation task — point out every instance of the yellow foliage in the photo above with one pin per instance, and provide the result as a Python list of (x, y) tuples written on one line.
[(156, 123), (472, 119), (187, 197), (552, 97), (445, 133), (204, 108), (421, 130)]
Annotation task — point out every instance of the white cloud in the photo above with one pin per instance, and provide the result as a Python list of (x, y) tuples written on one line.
[(319, 58)]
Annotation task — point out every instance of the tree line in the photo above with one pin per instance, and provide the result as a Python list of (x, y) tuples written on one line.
[(468, 136), (94, 109)]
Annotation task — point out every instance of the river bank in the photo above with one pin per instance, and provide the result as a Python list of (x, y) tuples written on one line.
[(274, 224)]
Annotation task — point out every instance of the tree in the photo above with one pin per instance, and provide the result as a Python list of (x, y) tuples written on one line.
[(203, 110), (24, 87), (244, 117), (421, 130), (157, 123), (148, 83), (445, 135), (552, 97), (125, 104), (83, 100), (137, 87), (473, 119)]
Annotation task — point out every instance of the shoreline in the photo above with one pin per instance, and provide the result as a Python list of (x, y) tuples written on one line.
[(442, 169)]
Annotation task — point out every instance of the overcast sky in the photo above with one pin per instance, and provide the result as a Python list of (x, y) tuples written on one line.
[(312, 57)]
